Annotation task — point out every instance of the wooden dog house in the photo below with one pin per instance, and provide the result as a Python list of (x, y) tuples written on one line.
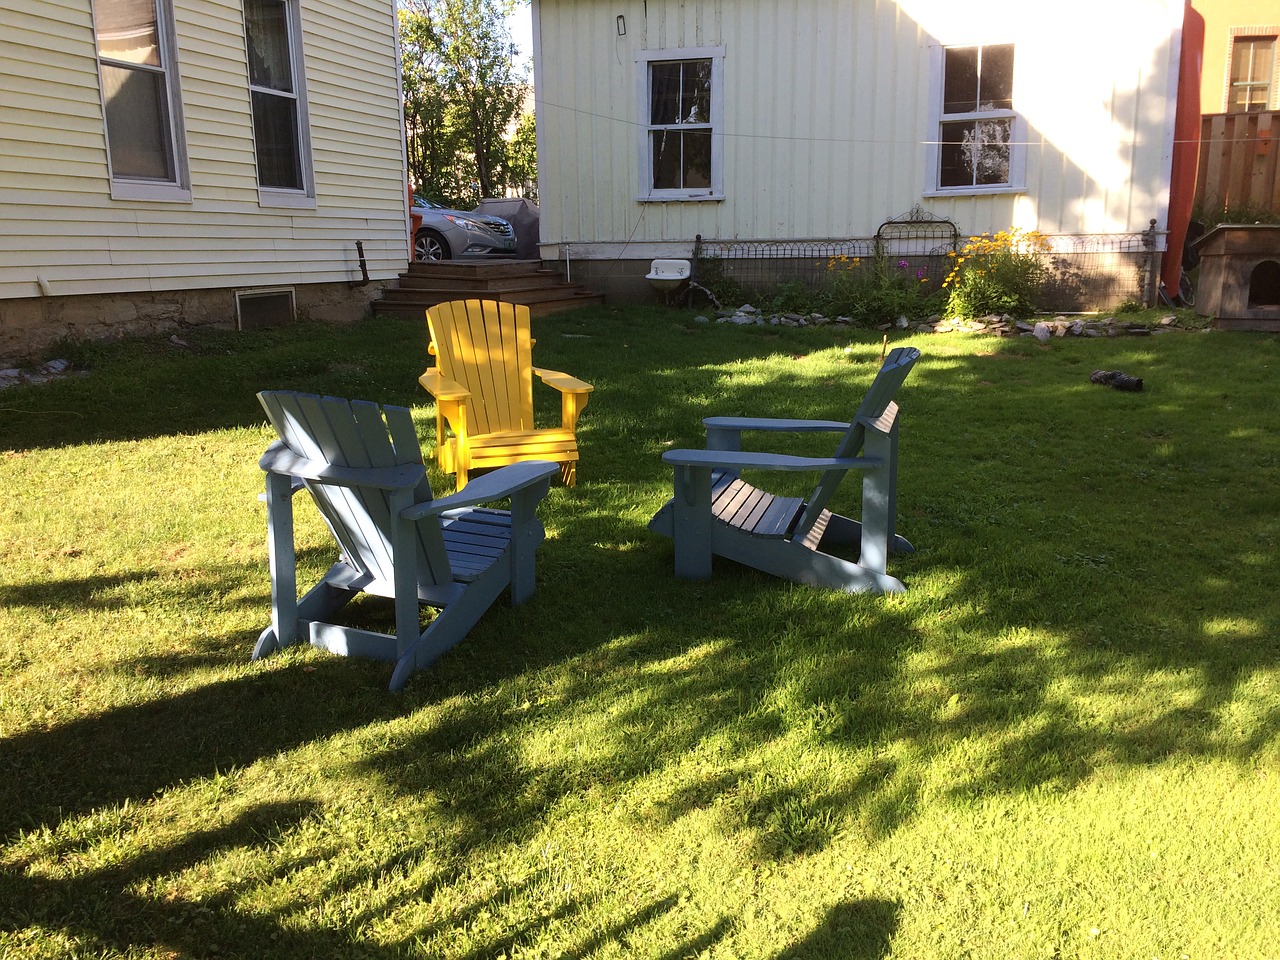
[(1240, 276)]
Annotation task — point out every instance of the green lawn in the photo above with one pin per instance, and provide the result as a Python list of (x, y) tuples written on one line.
[(1062, 741)]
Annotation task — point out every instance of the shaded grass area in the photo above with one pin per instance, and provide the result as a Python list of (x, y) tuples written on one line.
[(1063, 740)]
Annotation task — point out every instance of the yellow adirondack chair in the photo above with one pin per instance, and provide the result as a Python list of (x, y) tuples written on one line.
[(482, 382)]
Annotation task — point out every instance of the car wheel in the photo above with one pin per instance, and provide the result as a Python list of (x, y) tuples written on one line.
[(429, 245)]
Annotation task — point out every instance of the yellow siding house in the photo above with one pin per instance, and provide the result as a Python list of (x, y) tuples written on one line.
[(170, 162)]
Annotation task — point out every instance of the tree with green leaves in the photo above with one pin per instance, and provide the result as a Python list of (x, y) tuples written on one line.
[(522, 157), (463, 91)]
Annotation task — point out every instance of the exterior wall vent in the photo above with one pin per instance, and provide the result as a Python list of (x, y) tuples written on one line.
[(259, 309)]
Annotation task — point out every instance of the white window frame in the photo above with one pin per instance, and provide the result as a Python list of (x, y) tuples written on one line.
[(933, 140), (644, 59), (177, 189), (305, 196)]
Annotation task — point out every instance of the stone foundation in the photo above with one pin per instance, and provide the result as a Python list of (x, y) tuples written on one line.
[(29, 327)]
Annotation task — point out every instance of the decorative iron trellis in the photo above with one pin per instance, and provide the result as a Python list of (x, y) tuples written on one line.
[(1087, 272)]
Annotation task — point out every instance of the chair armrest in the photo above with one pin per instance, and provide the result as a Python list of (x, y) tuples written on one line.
[(441, 387), (496, 485), (280, 459), (773, 423), (883, 423), (725, 433), (738, 460), (562, 381)]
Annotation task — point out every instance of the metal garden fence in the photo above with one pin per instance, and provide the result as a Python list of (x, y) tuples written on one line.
[(1087, 272)]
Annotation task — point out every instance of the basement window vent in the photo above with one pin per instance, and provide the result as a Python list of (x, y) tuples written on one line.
[(259, 309)]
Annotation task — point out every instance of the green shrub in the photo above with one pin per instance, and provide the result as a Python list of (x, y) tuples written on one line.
[(877, 290), (1000, 273)]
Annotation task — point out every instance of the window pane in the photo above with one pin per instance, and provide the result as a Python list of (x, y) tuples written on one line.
[(1247, 100), (975, 152), (697, 158), (990, 150), (681, 159), (666, 159), (995, 85), (695, 102), (960, 80), (267, 31), (137, 123), (664, 97), (128, 30), (1251, 60), (275, 134), (956, 169)]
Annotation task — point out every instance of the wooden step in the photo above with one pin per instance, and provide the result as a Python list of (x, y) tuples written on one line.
[(474, 269), (416, 281), (521, 294), (416, 310), (511, 281)]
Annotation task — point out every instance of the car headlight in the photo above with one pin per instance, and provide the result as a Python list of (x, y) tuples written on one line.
[(466, 224)]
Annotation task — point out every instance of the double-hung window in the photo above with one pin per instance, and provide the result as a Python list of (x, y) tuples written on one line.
[(976, 142), (272, 37), (1253, 68), (681, 114), (137, 59)]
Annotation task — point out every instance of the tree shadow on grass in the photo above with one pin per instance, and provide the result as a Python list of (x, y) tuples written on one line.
[(852, 930), (132, 752), (102, 909), (129, 904)]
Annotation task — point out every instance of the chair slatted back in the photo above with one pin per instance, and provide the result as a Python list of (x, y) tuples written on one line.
[(361, 435), (487, 347), (877, 401)]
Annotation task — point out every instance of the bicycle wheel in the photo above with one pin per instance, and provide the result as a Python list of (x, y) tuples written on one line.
[(1186, 291)]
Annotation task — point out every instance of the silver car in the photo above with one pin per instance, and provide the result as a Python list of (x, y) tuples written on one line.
[(446, 234)]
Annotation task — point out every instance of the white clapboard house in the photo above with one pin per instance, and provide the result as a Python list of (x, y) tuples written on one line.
[(167, 162), (779, 129)]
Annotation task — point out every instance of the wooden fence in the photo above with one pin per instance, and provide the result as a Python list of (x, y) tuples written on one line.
[(1239, 163)]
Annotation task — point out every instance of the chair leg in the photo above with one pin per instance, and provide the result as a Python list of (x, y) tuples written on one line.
[(527, 533), (569, 473), (449, 627), (692, 522), (877, 505), (404, 554), (282, 562)]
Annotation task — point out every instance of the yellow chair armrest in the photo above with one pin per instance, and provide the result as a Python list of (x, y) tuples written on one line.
[(441, 387), (562, 381)]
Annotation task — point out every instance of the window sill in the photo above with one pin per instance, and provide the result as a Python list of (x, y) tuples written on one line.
[(681, 198), (142, 190), (983, 191), (289, 199)]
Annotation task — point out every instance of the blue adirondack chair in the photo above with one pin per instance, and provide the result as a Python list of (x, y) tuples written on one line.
[(363, 466), (714, 511)]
